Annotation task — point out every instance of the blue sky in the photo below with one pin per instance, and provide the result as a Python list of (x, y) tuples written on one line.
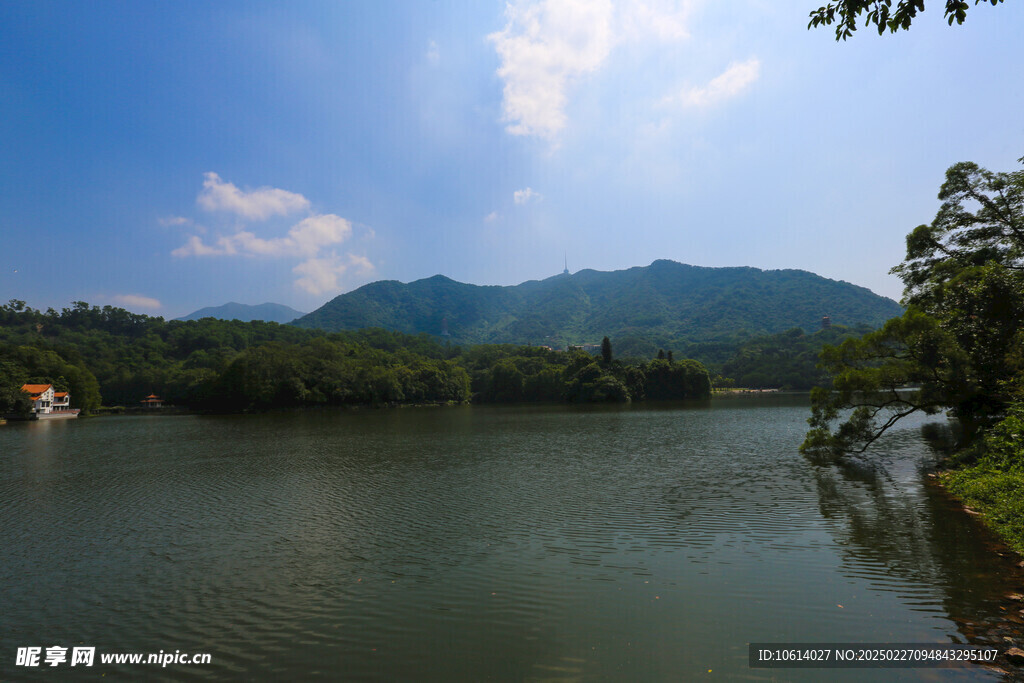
[(164, 157)]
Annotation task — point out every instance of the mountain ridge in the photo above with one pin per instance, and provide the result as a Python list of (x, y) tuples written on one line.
[(665, 302), (268, 312)]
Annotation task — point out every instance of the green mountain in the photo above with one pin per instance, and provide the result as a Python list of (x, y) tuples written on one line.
[(268, 312), (665, 303)]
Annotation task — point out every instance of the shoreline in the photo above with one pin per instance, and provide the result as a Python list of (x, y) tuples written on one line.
[(108, 411), (1005, 629)]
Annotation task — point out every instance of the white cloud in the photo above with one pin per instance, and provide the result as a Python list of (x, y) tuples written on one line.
[(525, 195), (433, 54), (360, 264), (737, 78), (664, 20), (195, 247), (547, 45), (319, 231), (136, 301), (258, 204), (491, 217), (543, 47), (321, 275), (305, 239), (174, 220)]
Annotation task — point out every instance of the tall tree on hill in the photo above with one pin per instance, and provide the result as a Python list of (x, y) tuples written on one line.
[(606, 351)]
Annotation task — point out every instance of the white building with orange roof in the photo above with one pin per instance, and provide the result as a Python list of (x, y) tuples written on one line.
[(61, 401), (47, 402), (41, 396)]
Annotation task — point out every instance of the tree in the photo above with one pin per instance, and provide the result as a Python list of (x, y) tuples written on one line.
[(845, 13), (606, 351), (958, 239), (506, 382), (12, 398), (675, 381), (589, 384), (960, 341)]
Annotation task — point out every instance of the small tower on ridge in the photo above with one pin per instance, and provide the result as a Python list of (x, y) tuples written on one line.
[(566, 271)]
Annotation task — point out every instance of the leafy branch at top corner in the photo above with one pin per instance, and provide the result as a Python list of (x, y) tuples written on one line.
[(881, 14)]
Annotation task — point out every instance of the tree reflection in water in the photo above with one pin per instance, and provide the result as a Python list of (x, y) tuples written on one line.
[(887, 512)]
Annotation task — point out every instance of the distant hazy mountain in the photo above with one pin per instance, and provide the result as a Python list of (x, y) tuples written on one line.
[(273, 313), (665, 302)]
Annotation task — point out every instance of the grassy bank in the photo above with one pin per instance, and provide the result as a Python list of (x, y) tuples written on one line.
[(989, 479), (998, 496)]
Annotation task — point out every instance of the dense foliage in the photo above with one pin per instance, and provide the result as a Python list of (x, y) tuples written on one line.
[(960, 343), (12, 376), (787, 361), (993, 478), (664, 305), (326, 370), (506, 373), (27, 364), (233, 366), (123, 357)]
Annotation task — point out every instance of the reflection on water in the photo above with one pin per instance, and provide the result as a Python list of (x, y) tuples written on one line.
[(893, 527), (516, 543)]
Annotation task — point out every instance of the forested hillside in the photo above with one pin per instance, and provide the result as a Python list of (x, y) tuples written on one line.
[(112, 357), (665, 304), (788, 360), (117, 357)]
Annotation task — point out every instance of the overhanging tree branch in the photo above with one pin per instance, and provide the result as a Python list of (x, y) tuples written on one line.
[(881, 14)]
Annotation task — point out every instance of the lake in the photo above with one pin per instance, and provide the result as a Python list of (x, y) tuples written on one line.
[(525, 543)]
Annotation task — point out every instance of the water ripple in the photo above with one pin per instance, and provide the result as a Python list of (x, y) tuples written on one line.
[(466, 544)]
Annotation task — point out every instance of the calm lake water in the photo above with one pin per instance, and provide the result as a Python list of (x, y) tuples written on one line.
[(622, 543)]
